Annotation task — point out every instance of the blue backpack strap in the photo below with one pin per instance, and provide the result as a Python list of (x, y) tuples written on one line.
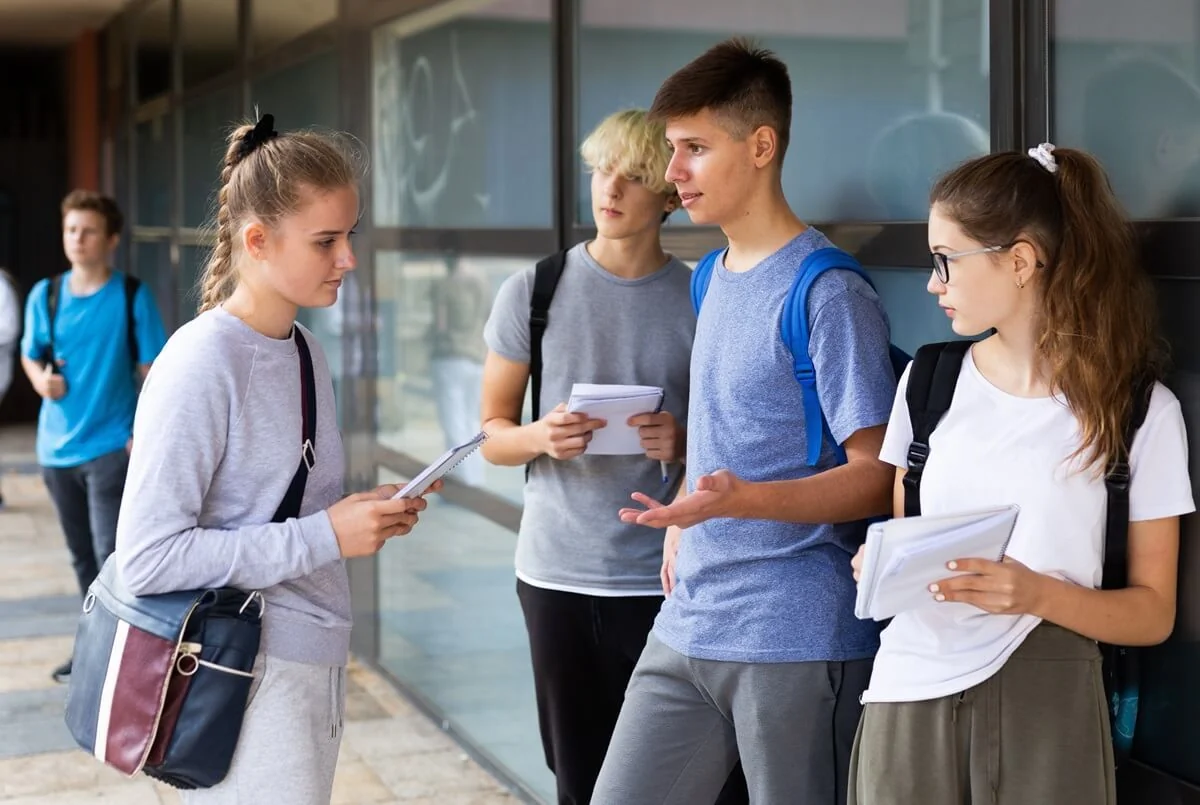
[(794, 329), (702, 276)]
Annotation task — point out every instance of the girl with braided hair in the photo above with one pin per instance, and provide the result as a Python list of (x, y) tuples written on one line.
[(219, 431)]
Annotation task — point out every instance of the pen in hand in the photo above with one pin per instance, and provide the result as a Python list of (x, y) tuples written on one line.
[(663, 466)]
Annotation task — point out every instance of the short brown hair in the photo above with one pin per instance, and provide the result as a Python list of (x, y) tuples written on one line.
[(91, 201), (744, 84)]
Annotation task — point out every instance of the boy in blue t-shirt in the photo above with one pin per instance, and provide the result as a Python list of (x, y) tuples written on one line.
[(82, 366), (756, 652)]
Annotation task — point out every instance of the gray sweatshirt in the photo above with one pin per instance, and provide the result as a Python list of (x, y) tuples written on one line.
[(216, 443)]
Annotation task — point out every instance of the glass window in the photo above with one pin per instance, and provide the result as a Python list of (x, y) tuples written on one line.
[(448, 610), (154, 171), (1168, 726), (886, 95), (191, 265), (206, 122), (276, 22), (912, 311), (154, 269), (431, 310), (209, 31), (153, 42), (304, 95), (462, 118), (1126, 88)]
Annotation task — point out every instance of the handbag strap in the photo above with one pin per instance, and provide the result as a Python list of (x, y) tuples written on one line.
[(290, 507)]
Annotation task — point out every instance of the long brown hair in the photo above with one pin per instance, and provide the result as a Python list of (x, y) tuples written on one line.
[(266, 182), (1098, 325)]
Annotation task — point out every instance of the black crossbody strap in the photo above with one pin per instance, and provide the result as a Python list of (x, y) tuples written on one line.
[(545, 281), (52, 294), (1116, 483), (131, 290), (932, 379), (290, 507)]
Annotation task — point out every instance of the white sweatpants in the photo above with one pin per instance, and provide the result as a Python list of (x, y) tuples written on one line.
[(288, 748)]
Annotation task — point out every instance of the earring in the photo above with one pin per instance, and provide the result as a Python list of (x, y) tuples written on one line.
[(1020, 283)]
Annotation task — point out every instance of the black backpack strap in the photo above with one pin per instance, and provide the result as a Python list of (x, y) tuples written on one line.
[(545, 281), (290, 507), (931, 383), (131, 290), (52, 294), (1116, 483)]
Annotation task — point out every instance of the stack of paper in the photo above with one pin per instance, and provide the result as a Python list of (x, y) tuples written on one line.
[(614, 404), (904, 556)]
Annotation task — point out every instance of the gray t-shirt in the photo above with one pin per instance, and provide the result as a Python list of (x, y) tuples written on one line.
[(216, 443), (603, 329)]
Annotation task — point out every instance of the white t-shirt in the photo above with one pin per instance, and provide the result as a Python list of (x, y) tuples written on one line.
[(993, 448)]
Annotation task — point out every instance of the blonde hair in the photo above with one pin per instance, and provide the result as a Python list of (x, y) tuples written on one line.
[(630, 143), (266, 181)]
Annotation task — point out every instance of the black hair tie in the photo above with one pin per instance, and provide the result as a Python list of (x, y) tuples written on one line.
[(263, 131)]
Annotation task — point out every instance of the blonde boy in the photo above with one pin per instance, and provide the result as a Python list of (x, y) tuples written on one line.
[(621, 313)]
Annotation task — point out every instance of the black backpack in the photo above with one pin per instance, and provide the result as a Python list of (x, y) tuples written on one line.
[(931, 382), (545, 281), (131, 288)]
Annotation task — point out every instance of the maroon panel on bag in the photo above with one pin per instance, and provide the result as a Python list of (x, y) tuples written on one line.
[(177, 690), (145, 665)]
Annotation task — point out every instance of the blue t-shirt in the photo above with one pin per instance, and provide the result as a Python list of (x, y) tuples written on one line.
[(95, 416), (757, 590)]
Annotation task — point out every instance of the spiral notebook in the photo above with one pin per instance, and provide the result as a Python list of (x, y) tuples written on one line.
[(904, 556), (440, 468)]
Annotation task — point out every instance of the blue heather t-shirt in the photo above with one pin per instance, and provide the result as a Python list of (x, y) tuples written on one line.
[(757, 590), (95, 417)]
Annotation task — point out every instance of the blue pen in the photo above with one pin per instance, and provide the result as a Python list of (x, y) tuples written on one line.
[(663, 466)]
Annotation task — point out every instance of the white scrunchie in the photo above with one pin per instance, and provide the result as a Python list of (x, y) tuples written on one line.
[(1044, 154)]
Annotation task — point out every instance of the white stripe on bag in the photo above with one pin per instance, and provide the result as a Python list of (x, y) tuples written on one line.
[(110, 687)]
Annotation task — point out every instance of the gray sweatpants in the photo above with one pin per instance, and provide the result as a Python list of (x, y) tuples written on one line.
[(685, 722), (288, 748)]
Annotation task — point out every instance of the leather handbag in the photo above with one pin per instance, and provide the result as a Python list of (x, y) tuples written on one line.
[(160, 683)]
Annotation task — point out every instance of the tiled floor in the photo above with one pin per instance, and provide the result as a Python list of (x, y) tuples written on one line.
[(391, 752)]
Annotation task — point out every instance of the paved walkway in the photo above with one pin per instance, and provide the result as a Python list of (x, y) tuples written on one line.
[(391, 752)]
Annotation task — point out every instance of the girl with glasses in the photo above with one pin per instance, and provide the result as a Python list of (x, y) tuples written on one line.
[(992, 691)]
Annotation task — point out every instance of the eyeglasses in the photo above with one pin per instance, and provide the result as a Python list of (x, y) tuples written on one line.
[(941, 262)]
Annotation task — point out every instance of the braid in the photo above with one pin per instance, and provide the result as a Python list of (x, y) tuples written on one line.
[(219, 278)]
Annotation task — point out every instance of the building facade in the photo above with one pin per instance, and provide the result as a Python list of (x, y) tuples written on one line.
[(470, 112)]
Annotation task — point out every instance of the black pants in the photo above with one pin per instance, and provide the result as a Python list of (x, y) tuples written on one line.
[(88, 499), (584, 650)]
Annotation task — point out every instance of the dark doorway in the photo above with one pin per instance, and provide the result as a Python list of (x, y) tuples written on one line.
[(33, 179)]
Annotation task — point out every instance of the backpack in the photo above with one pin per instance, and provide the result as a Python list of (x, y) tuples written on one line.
[(131, 289), (794, 329), (545, 281), (931, 385)]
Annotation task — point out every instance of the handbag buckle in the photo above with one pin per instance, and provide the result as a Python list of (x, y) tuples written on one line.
[(308, 454)]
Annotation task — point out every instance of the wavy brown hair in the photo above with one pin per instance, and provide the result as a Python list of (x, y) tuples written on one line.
[(267, 183), (1097, 333)]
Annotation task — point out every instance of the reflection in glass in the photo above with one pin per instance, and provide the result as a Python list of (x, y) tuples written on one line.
[(451, 629), (209, 31), (462, 118), (1126, 88), (154, 171), (1168, 727), (304, 95), (277, 22), (886, 95), (191, 265), (207, 121), (431, 310), (154, 268)]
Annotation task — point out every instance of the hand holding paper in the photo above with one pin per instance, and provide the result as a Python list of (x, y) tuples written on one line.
[(616, 405)]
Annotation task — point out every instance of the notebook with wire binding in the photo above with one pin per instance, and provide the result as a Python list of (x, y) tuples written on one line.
[(440, 468)]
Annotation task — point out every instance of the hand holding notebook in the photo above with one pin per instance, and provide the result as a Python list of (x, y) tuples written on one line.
[(904, 556), (615, 404)]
